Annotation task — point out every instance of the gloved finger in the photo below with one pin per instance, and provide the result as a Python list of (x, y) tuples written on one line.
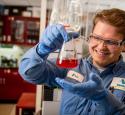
[(52, 37), (65, 84), (56, 33), (73, 34), (95, 78), (51, 32), (65, 34)]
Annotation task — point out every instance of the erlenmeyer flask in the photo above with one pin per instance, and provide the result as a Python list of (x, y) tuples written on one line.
[(67, 57), (69, 13), (72, 21)]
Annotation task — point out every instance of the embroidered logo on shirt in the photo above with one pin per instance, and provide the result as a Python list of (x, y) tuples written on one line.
[(75, 76), (118, 83)]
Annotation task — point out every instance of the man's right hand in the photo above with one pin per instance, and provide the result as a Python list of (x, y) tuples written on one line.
[(53, 38)]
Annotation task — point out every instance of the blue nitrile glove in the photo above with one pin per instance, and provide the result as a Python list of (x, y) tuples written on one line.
[(52, 39), (92, 89)]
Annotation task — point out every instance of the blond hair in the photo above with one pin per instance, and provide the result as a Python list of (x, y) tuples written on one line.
[(114, 17)]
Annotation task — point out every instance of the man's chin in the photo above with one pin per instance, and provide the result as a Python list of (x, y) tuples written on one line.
[(100, 63)]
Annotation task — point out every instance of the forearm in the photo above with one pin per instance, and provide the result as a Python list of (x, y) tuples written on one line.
[(35, 69)]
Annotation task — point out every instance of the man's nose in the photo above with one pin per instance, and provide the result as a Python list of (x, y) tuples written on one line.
[(102, 43)]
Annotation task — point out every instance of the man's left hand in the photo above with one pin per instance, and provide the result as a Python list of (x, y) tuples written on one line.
[(92, 89)]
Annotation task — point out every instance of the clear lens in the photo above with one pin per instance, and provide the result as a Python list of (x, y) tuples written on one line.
[(111, 43)]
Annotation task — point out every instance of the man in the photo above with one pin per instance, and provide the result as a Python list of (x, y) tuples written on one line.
[(102, 92)]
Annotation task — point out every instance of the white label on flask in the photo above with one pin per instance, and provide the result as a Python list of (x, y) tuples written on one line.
[(75, 75)]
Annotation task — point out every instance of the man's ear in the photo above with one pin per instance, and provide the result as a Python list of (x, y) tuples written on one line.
[(123, 48)]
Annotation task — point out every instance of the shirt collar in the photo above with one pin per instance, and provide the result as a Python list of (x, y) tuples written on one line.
[(116, 67)]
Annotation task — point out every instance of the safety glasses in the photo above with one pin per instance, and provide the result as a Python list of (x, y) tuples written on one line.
[(98, 39)]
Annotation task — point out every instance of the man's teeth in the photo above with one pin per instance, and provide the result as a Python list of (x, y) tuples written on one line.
[(102, 53)]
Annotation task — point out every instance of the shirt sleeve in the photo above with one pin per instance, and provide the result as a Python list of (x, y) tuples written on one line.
[(38, 70)]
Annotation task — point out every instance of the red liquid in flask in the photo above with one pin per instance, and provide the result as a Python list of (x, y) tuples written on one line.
[(67, 63)]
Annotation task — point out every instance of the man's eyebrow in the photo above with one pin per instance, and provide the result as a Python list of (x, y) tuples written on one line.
[(109, 39)]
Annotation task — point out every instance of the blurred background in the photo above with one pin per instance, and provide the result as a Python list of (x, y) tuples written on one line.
[(21, 25)]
